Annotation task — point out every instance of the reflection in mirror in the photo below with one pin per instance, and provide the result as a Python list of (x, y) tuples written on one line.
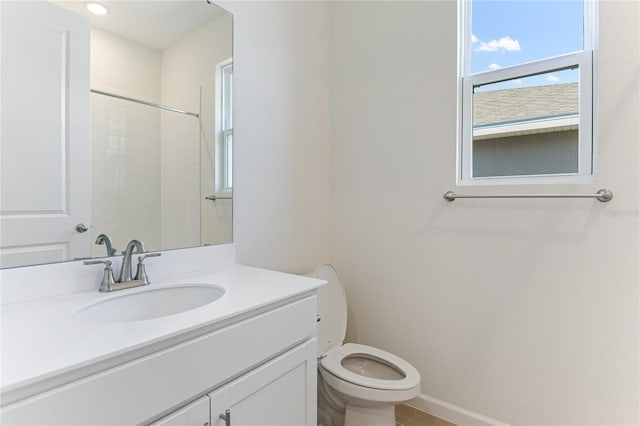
[(160, 128)]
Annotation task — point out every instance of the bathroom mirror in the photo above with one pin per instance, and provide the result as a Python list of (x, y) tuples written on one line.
[(157, 163)]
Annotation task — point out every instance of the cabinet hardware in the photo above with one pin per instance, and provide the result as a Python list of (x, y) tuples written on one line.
[(226, 417)]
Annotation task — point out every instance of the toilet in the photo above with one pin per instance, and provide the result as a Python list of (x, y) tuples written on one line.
[(358, 385)]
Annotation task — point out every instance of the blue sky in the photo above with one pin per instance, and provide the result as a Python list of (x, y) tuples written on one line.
[(510, 32)]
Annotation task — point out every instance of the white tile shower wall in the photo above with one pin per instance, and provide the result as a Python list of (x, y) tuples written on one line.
[(188, 66), (125, 142)]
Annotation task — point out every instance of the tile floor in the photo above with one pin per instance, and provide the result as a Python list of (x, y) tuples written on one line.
[(409, 416)]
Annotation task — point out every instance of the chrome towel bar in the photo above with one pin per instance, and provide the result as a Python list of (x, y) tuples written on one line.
[(217, 197), (602, 195)]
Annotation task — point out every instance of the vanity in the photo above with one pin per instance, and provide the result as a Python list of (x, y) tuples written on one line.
[(73, 356)]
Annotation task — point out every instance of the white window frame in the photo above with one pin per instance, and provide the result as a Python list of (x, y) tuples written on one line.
[(224, 127), (585, 60)]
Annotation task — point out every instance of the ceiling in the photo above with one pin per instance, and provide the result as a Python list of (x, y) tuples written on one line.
[(156, 24)]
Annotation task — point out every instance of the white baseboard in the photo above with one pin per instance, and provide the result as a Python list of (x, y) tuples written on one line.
[(451, 413)]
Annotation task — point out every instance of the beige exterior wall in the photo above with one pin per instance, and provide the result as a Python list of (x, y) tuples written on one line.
[(544, 153)]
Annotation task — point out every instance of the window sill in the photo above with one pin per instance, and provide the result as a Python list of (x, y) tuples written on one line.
[(528, 180)]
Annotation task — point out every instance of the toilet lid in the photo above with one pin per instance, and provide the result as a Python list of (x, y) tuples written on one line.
[(332, 309)]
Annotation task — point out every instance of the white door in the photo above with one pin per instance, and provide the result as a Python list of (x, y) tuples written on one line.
[(282, 392), (194, 414), (44, 134)]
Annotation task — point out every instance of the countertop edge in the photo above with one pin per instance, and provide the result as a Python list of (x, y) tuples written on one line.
[(19, 391), (35, 384)]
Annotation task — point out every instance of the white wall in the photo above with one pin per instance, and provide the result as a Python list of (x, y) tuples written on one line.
[(281, 136), (188, 66), (125, 139), (525, 311)]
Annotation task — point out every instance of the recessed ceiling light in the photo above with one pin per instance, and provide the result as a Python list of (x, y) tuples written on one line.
[(97, 8)]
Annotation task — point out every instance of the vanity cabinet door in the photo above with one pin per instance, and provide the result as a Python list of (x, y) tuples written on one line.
[(194, 414), (281, 392)]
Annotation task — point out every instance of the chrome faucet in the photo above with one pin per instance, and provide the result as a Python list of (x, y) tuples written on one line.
[(104, 239), (125, 280), (125, 270)]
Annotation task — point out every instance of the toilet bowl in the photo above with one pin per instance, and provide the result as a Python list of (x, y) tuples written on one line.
[(357, 384)]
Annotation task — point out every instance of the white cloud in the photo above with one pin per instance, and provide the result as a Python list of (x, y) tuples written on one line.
[(516, 81), (494, 67), (504, 44), (474, 39), (552, 78)]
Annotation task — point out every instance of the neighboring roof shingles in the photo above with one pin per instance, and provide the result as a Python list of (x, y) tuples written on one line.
[(524, 104)]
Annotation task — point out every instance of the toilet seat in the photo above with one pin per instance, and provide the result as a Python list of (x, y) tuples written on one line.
[(332, 363), (332, 326)]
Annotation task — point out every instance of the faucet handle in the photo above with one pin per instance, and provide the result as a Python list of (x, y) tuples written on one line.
[(97, 262), (107, 277), (142, 258), (141, 273)]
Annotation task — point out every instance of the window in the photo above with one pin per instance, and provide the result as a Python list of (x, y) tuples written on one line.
[(526, 82), (224, 126)]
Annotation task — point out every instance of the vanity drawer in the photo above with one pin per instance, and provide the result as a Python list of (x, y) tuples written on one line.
[(160, 382)]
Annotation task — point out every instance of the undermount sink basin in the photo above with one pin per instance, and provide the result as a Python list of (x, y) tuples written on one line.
[(151, 303)]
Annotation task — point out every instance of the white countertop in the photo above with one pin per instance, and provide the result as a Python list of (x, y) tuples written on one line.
[(42, 341)]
